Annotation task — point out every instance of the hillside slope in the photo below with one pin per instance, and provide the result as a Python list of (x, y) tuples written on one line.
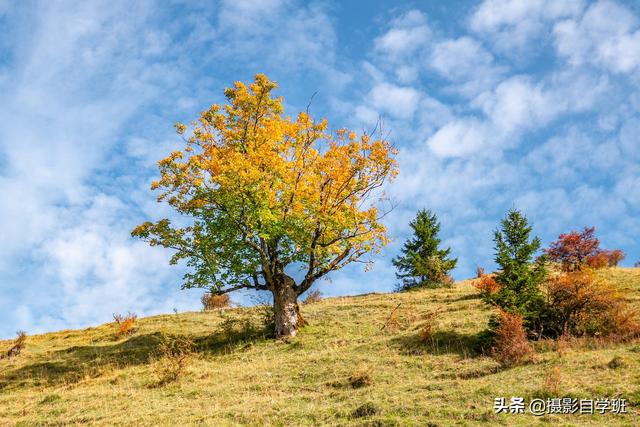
[(342, 369)]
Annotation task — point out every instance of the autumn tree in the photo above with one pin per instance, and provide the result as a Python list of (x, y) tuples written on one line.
[(572, 250), (264, 194), (575, 250), (422, 261)]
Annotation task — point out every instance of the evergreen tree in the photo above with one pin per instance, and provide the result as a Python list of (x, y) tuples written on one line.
[(422, 262), (520, 275)]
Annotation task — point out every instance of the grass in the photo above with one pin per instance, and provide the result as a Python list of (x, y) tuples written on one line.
[(342, 369)]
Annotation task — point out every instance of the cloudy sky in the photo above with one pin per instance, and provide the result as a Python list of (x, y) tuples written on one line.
[(493, 104)]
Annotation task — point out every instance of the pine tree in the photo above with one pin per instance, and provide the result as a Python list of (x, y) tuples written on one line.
[(422, 262), (520, 275)]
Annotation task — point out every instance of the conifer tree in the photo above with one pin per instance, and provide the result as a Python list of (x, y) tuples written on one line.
[(422, 262), (520, 275)]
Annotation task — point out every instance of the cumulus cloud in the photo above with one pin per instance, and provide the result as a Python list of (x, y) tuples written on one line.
[(607, 35), (513, 24), (408, 33)]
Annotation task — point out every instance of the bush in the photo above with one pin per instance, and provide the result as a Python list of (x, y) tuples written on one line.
[(511, 346), (125, 325), (214, 301), (581, 304), (551, 382), (174, 355), (18, 345), (479, 272), (615, 256), (605, 258), (428, 328), (313, 297), (487, 285), (599, 260)]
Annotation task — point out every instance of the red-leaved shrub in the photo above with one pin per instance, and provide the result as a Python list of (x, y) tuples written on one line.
[(511, 346)]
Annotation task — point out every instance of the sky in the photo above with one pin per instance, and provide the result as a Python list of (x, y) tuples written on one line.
[(492, 104)]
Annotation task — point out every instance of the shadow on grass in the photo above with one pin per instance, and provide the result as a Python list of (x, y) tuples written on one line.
[(442, 342), (73, 364)]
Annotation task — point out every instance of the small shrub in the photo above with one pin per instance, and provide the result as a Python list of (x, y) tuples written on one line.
[(615, 256), (174, 355), (125, 325), (616, 363), (487, 285), (18, 345), (479, 272), (605, 258), (365, 410), (599, 260), (392, 323), (511, 346), (428, 328), (214, 301), (360, 379), (313, 297), (551, 382), (447, 281)]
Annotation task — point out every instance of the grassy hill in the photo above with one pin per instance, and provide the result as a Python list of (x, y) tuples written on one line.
[(342, 369)]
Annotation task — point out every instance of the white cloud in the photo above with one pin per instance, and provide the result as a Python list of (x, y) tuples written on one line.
[(608, 35), (460, 138), (397, 101), (512, 24), (407, 34), (518, 103), (458, 58)]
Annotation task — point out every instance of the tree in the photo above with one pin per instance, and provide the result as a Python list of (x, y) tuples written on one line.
[(263, 194), (422, 262), (519, 276), (573, 250)]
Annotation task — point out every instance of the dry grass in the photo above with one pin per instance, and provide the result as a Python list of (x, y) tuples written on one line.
[(240, 377)]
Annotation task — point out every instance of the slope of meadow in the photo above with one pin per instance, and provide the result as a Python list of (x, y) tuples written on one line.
[(344, 368)]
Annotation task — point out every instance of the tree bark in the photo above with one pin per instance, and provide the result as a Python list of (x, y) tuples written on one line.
[(285, 308)]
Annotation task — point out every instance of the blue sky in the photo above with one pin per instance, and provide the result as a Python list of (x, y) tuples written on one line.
[(493, 104)]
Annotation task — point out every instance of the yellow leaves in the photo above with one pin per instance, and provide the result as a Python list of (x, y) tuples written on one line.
[(284, 175), (180, 128)]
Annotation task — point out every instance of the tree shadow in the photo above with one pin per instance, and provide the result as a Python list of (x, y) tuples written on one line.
[(441, 342), (73, 364)]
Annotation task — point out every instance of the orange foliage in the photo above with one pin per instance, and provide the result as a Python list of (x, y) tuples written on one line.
[(511, 345), (486, 284), (125, 325), (580, 303)]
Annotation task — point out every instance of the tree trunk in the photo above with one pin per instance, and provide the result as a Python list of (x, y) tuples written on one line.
[(285, 308)]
